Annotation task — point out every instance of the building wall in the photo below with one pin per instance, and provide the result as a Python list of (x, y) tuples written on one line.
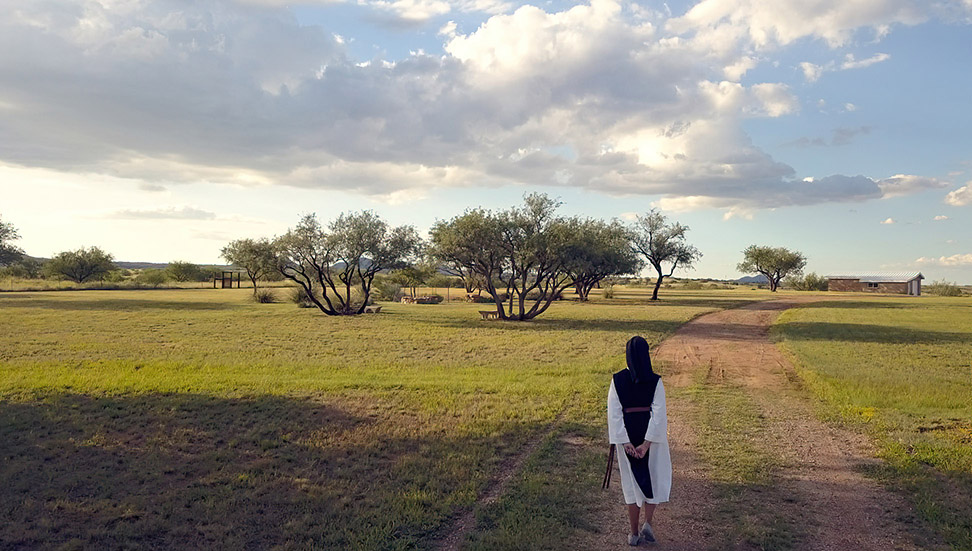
[(848, 285), (855, 285), (889, 288)]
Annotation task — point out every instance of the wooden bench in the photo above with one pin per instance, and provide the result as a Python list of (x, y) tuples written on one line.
[(489, 314), (372, 309)]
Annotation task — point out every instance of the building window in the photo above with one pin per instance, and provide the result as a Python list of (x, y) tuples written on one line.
[(872, 285)]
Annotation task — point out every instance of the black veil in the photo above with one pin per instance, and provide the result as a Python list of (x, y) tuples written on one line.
[(639, 362)]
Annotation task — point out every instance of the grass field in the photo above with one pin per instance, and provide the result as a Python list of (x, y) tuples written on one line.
[(196, 417), (901, 368)]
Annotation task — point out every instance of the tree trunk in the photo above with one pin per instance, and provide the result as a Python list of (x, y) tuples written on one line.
[(658, 282), (583, 290)]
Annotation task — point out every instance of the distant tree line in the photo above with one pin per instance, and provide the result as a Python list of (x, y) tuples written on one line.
[(523, 258), (87, 264)]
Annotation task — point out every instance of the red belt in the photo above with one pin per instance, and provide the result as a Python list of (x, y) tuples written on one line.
[(636, 410)]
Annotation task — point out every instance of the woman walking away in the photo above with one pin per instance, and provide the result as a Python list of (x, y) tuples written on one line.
[(638, 428)]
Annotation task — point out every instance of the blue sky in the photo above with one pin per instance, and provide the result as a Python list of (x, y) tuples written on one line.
[(160, 130)]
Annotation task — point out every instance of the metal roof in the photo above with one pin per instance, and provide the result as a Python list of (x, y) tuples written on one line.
[(881, 277)]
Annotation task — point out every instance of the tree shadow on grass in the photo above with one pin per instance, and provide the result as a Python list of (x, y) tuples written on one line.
[(702, 302), (560, 324), (115, 304), (196, 471), (853, 332), (859, 304), (695, 302)]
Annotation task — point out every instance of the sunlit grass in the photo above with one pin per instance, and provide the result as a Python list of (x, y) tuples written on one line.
[(900, 366), (153, 418)]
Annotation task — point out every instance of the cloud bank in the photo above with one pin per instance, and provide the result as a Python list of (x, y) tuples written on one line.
[(947, 261), (602, 96)]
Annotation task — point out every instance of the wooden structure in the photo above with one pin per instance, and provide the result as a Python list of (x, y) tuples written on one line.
[(226, 279), (897, 283), (489, 314)]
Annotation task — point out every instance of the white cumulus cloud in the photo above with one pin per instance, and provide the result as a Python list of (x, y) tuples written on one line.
[(888, 221), (947, 261), (812, 72), (908, 184), (764, 25), (960, 197), (851, 63), (775, 99)]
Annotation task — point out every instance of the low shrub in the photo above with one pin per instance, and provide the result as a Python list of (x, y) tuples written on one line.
[(151, 278), (809, 282), (264, 296), (299, 297), (607, 291), (25, 268), (943, 288), (385, 290)]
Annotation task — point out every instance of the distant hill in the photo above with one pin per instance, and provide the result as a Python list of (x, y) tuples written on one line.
[(363, 264), (750, 280)]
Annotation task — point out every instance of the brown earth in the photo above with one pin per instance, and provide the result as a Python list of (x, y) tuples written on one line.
[(820, 489)]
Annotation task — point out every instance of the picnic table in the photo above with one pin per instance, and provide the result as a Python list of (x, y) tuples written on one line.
[(489, 314)]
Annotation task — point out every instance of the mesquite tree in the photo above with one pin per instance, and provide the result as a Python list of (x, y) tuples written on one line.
[(181, 270), (519, 254), (334, 265), (414, 276), (533, 241), (447, 247), (256, 256), (8, 252), (662, 243), (773, 262), (84, 264), (598, 250)]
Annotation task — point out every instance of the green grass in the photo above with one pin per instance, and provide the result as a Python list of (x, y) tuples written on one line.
[(900, 367), (547, 504), (751, 505), (197, 417)]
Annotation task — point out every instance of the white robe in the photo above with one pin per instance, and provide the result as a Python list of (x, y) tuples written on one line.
[(659, 457)]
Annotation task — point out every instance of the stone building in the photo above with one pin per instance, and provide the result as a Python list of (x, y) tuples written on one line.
[(900, 283)]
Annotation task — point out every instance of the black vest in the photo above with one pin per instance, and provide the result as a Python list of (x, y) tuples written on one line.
[(637, 395)]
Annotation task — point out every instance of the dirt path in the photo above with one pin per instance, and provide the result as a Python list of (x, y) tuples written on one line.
[(455, 534), (819, 487)]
